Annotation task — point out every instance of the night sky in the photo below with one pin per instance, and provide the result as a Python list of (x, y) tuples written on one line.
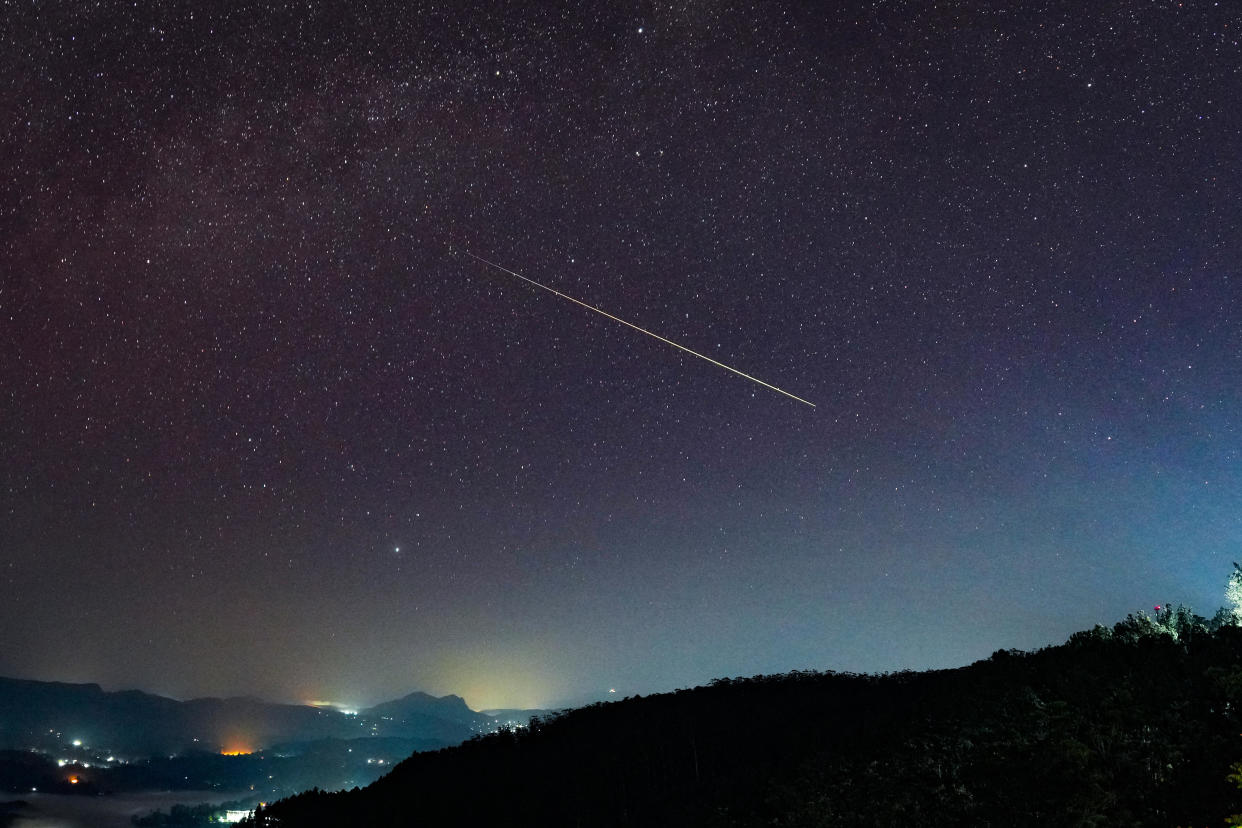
[(266, 428)]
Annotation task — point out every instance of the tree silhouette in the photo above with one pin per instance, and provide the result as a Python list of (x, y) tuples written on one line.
[(1134, 724)]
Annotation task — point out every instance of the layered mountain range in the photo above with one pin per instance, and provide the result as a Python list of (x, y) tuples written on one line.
[(51, 716)]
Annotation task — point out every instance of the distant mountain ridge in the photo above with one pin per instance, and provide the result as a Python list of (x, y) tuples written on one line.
[(51, 715), (450, 708)]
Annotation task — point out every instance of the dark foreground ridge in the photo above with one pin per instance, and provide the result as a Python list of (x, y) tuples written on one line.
[(1134, 725)]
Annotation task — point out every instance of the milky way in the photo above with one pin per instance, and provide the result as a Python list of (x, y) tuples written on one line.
[(262, 433)]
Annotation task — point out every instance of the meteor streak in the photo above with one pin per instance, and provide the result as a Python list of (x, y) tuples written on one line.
[(640, 330)]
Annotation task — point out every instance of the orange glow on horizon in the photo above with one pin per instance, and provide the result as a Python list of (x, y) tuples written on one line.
[(236, 751)]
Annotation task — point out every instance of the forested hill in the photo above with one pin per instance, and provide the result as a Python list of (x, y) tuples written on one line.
[(1134, 725)]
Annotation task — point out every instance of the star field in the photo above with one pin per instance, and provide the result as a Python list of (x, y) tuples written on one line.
[(267, 430)]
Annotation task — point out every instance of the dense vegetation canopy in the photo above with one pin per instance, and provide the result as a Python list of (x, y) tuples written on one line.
[(1137, 724)]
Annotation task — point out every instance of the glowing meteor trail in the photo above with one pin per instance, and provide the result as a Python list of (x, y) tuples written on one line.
[(640, 330)]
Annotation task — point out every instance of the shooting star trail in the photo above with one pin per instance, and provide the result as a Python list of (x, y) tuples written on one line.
[(640, 330)]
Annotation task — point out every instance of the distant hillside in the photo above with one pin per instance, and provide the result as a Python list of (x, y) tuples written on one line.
[(50, 716), (1134, 725), (517, 716), (445, 716)]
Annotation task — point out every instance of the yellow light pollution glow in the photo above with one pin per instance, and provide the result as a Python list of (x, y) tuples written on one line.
[(489, 681)]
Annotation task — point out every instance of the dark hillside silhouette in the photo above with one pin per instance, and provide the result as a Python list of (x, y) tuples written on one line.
[(1134, 725)]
